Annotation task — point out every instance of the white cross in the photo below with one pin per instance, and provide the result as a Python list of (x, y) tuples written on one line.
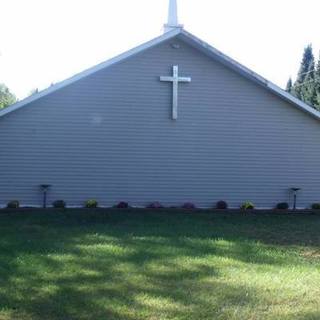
[(175, 81)]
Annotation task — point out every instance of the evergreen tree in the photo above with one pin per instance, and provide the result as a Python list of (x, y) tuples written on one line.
[(317, 85), (307, 66), (33, 91), (289, 85), (308, 89)]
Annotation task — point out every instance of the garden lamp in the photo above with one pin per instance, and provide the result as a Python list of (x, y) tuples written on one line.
[(45, 188)]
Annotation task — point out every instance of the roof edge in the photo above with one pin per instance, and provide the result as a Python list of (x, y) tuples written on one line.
[(224, 59), (238, 67), (166, 36)]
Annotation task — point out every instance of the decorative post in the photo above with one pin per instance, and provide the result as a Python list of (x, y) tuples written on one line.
[(295, 193), (45, 188)]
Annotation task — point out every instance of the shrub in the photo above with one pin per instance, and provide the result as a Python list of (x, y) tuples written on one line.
[(155, 205), (122, 205), (247, 206), (91, 204), (15, 204), (315, 206), (188, 206), (283, 206), (222, 205), (59, 204)]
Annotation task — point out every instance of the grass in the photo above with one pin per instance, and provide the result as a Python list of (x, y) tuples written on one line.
[(132, 265)]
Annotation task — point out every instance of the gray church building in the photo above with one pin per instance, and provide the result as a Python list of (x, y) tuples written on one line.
[(173, 120)]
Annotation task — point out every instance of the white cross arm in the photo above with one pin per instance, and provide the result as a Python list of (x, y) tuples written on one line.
[(184, 79), (167, 79), (172, 79)]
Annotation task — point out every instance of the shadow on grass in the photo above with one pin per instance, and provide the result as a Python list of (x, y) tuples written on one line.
[(141, 266)]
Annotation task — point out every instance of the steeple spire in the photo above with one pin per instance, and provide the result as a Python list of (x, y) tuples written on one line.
[(172, 17)]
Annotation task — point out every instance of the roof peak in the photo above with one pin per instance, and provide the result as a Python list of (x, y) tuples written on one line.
[(188, 38), (173, 22)]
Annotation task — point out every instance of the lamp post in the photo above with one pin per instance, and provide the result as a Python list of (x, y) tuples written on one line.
[(295, 193), (45, 188)]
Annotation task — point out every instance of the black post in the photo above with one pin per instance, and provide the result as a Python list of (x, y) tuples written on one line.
[(295, 191), (295, 201), (45, 188), (44, 198)]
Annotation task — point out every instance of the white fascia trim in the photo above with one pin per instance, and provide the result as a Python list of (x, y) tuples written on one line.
[(295, 101), (83, 74), (218, 54), (251, 74)]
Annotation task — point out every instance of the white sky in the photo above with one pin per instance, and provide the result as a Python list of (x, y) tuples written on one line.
[(45, 41)]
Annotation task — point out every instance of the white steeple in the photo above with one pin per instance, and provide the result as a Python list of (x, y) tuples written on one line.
[(172, 17)]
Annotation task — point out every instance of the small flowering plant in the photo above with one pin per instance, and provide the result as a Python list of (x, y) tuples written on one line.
[(222, 205), (282, 206), (122, 205), (315, 206), (14, 204), (92, 203), (155, 205), (59, 204), (247, 206), (189, 206)]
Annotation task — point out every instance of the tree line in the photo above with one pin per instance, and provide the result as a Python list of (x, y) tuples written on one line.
[(6, 97), (307, 85)]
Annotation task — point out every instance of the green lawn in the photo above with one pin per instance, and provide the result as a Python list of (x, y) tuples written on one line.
[(130, 265)]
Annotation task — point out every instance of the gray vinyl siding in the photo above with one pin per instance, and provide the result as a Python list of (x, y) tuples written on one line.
[(110, 137)]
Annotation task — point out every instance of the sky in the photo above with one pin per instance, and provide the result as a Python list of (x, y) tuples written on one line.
[(47, 41)]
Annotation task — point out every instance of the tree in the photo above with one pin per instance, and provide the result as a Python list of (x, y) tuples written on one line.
[(308, 88), (307, 66), (306, 63), (289, 85), (317, 85), (6, 97), (33, 91), (307, 85)]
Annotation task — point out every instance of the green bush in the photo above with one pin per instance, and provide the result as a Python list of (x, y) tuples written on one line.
[(59, 204), (315, 206), (247, 206), (91, 204), (13, 204), (282, 206)]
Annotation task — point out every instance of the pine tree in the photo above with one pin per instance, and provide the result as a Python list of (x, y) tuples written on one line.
[(289, 85), (33, 91), (317, 85), (307, 66), (308, 90)]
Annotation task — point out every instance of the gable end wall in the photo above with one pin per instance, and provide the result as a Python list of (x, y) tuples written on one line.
[(110, 137)]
